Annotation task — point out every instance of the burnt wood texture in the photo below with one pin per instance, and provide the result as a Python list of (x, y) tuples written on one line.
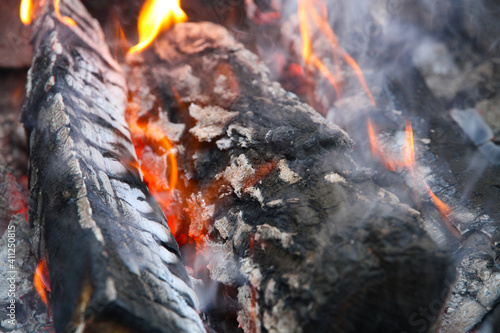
[(309, 241), (113, 263)]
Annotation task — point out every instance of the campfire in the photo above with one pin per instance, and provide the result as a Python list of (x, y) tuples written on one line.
[(250, 166)]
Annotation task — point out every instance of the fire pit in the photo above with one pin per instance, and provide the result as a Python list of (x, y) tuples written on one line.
[(250, 166)]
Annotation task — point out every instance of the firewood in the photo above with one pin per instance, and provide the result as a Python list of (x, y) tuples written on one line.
[(311, 243), (113, 264)]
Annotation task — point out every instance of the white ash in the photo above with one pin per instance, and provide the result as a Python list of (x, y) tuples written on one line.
[(275, 203), (221, 264), (471, 298), (266, 232), (210, 121), (335, 178), (281, 319), (255, 193), (224, 90), (238, 173), (286, 174), (248, 317), (244, 134)]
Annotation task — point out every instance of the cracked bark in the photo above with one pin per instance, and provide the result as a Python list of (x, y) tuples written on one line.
[(112, 261), (311, 243)]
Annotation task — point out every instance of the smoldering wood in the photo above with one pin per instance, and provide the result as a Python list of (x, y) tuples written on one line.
[(465, 172), (113, 263), (311, 243)]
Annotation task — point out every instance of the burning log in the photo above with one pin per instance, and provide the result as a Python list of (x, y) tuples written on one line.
[(274, 198), (112, 262)]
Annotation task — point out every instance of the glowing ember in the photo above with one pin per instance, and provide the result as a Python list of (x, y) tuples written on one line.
[(41, 282), (151, 143), (26, 11), (155, 16), (63, 19)]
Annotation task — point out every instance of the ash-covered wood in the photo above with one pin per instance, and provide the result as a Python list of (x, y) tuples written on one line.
[(469, 179), (113, 264), (307, 238), (31, 315)]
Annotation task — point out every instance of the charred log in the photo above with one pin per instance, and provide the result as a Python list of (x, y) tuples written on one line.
[(468, 175), (113, 264), (311, 243)]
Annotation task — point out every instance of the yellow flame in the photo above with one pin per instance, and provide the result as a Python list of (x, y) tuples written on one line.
[(155, 16), (25, 11), (304, 31), (63, 19)]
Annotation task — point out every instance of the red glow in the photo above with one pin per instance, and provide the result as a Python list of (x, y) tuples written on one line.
[(161, 185), (16, 195)]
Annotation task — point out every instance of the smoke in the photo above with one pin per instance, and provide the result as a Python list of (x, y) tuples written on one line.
[(430, 62)]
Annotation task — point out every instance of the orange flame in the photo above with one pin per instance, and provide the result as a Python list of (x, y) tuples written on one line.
[(409, 163), (155, 16), (26, 11), (304, 32), (390, 163), (376, 148), (308, 55), (154, 132), (41, 281), (63, 19), (445, 212)]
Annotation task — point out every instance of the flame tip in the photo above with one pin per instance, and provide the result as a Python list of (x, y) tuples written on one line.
[(25, 11), (156, 16)]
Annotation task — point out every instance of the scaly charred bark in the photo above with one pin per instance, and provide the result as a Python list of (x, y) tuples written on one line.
[(113, 264), (311, 243)]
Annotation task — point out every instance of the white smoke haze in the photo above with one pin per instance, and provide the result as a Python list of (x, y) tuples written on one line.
[(434, 63)]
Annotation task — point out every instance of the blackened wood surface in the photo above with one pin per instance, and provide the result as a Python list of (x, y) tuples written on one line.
[(113, 264), (311, 243)]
